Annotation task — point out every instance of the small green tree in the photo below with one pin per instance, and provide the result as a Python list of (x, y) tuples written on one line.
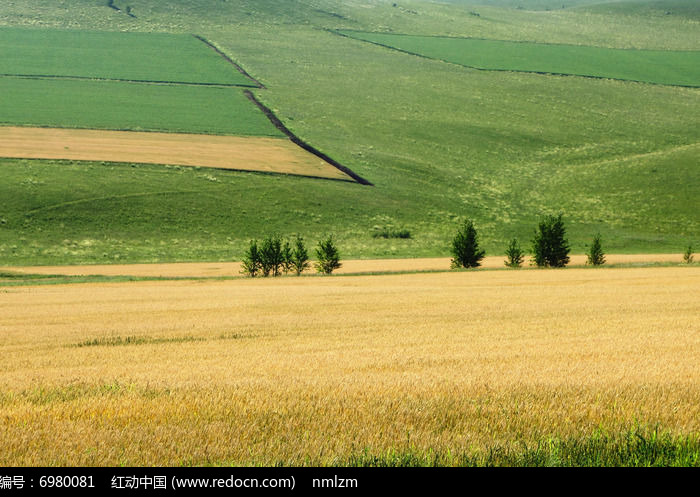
[(271, 258), (328, 256), (300, 257), (465, 247), (514, 254), (688, 255), (251, 264), (550, 248), (596, 257), (287, 257)]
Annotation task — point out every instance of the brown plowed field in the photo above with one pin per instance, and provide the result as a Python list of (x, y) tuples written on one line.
[(215, 269), (271, 155)]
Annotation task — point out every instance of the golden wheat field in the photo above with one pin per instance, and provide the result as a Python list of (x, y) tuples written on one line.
[(249, 153), (313, 370)]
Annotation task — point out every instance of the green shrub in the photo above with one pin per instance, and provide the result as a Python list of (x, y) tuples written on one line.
[(596, 257), (514, 254)]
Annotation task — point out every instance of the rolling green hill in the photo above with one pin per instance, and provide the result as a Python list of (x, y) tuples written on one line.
[(440, 142)]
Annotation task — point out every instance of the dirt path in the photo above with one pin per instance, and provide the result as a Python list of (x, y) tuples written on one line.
[(271, 155), (214, 269)]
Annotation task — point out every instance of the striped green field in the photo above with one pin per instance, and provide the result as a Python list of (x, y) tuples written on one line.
[(667, 67), (104, 80), (130, 106), (159, 57)]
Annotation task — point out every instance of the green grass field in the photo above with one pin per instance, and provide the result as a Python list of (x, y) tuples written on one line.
[(130, 106), (680, 68), (686, 9), (159, 57), (439, 141)]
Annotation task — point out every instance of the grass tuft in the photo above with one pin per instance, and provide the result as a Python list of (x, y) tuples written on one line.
[(135, 340), (636, 447)]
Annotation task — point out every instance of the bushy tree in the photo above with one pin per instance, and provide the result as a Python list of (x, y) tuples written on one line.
[(550, 248), (251, 264), (300, 257), (328, 256), (271, 257), (465, 247), (514, 254), (596, 257)]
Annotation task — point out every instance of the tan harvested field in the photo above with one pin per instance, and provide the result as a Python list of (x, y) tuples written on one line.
[(272, 155), (312, 370), (216, 269)]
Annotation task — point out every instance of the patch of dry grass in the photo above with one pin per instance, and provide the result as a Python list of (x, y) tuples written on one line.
[(216, 269), (327, 367), (247, 153)]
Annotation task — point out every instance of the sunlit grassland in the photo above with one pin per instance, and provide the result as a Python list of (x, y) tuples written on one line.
[(440, 142), (210, 215), (410, 369), (687, 9), (626, 24)]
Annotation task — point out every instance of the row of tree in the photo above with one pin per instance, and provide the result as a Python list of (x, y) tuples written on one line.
[(274, 257), (550, 248)]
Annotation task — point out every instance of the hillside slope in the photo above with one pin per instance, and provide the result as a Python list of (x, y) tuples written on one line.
[(440, 142)]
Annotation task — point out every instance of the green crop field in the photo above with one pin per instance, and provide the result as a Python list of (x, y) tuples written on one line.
[(440, 142), (157, 57), (130, 106), (650, 66)]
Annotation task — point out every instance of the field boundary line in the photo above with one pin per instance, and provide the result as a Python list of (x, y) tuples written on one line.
[(133, 81), (298, 141), (128, 130), (524, 42), (110, 4), (335, 14), (541, 73), (222, 169), (228, 59)]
